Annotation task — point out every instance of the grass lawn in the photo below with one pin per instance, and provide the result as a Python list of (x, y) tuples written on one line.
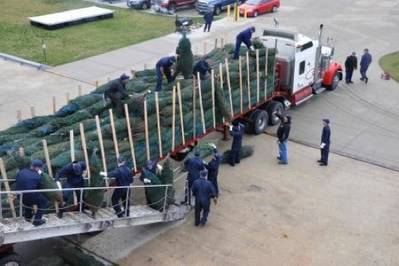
[(390, 64), (65, 45)]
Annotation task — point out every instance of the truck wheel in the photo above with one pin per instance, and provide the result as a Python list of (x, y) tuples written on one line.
[(272, 107), (12, 259), (334, 83), (218, 10), (258, 120)]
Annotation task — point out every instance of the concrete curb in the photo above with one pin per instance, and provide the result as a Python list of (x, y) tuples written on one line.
[(22, 61)]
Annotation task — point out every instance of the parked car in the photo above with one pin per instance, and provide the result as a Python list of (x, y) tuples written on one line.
[(203, 6), (257, 7), (139, 4), (172, 5)]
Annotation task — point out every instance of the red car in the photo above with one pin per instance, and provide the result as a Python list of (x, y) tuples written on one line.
[(257, 7)]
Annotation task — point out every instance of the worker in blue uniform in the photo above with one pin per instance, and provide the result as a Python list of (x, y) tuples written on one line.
[(325, 142), (194, 166), (243, 37), (208, 19), (123, 177), (203, 191), (202, 67), (30, 179), (163, 67), (213, 169), (236, 131), (73, 172), (365, 61), (116, 92)]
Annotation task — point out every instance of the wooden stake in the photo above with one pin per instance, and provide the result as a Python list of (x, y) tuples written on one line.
[(257, 76), (50, 170), (114, 138), (54, 105), (100, 141), (147, 140), (19, 116), (68, 97), (80, 90), (145, 66), (84, 147), (240, 77), (266, 58), (248, 82), (7, 187), (221, 75), (129, 133), (229, 87), (96, 83), (72, 143), (201, 106), (213, 97), (32, 111), (158, 125), (222, 43), (181, 113), (216, 43), (173, 118)]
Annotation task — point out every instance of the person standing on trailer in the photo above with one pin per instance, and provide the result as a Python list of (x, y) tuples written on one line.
[(163, 68), (236, 131), (325, 142), (203, 191), (208, 18), (213, 169), (350, 66), (365, 61), (283, 133), (194, 166), (123, 177), (243, 37), (116, 92), (30, 179)]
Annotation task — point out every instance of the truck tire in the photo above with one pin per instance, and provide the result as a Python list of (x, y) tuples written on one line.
[(272, 107), (258, 121), (334, 83), (217, 10), (12, 259)]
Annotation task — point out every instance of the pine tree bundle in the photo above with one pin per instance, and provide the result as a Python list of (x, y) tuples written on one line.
[(246, 151), (167, 178), (184, 62), (155, 195), (49, 183)]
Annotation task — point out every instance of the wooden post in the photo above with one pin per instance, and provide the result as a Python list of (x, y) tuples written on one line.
[(194, 107), (266, 58), (96, 83), (201, 106), (147, 140), (216, 43), (54, 105), (84, 147), (7, 187), (72, 143), (181, 113), (145, 66), (221, 75), (129, 133), (222, 42), (32, 111), (68, 97), (248, 82), (80, 90), (100, 141), (240, 77), (158, 125), (50, 170), (19, 116), (173, 118), (213, 97), (114, 138), (257, 76), (229, 87)]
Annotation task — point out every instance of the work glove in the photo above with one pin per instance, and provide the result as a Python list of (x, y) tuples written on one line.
[(230, 127), (59, 185), (40, 172), (252, 48), (322, 145), (147, 181), (212, 145), (103, 174)]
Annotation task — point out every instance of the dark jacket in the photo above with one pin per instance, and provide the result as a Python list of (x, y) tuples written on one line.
[(213, 167), (208, 17), (365, 61), (123, 175), (116, 87), (237, 133), (283, 130), (74, 179), (203, 191), (245, 36), (165, 62), (325, 135), (351, 63), (202, 67), (28, 179), (194, 166)]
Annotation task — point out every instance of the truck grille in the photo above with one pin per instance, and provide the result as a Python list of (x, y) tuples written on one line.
[(202, 7)]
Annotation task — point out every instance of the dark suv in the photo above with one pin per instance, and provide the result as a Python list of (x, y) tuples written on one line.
[(142, 4)]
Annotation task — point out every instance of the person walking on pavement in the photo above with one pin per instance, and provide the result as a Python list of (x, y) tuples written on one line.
[(203, 191), (213, 169), (237, 131), (123, 177), (283, 133), (116, 92), (325, 143), (163, 67), (30, 179), (194, 166), (365, 61), (208, 18), (243, 37), (350, 66)]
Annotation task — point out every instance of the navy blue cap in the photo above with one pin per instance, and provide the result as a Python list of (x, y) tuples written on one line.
[(326, 120), (197, 153), (121, 159), (124, 77), (37, 163), (204, 173)]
